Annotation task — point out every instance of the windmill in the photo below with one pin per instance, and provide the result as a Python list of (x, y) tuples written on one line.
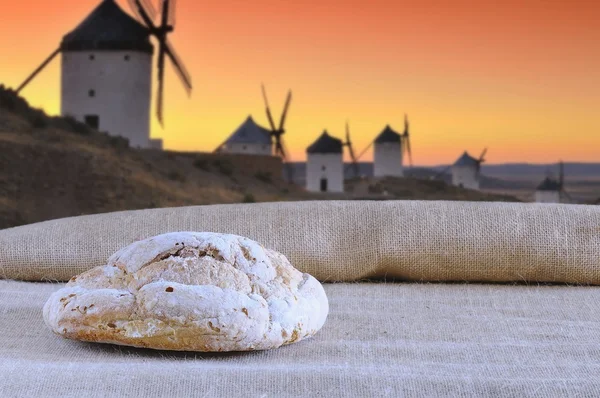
[(551, 190), (348, 143), (277, 132), (466, 171), (390, 148), (147, 14), (104, 36), (465, 161), (561, 181)]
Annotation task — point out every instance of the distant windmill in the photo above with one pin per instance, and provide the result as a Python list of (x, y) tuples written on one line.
[(277, 132), (390, 147), (466, 171), (348, 144), (551, 190), (107, 65)]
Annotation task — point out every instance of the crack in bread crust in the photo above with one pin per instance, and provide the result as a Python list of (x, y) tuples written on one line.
[(191, 291)]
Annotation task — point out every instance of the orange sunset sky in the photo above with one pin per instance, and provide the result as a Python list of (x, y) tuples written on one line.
[(522, 77)]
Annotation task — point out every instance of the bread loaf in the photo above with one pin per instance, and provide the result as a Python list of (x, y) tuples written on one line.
[(191, 291)]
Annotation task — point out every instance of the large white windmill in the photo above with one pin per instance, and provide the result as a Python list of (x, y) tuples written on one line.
[(106, 73)]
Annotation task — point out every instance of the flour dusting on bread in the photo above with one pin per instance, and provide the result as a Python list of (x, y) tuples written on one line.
[(195, 291)]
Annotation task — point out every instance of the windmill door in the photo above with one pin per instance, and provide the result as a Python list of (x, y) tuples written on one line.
[(323, 184), (92, 121)]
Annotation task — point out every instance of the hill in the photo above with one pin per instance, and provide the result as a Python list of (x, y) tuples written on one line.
[(52, 167), (417, 189)]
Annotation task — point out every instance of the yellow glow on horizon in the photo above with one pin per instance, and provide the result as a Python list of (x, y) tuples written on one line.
[(469, 76)]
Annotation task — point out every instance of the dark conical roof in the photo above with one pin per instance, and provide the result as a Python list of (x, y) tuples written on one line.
[(466, 160), (108, 28), (549, 185), (388, 135), (325, 144), (250, 133)]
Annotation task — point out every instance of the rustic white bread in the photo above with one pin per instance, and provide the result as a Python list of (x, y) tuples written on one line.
[(191, 291)]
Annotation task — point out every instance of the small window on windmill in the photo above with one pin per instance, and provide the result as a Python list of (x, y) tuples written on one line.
[(323, 168), (92, 93), (92, 57), (92, 121), (127, 57), (244, 147)]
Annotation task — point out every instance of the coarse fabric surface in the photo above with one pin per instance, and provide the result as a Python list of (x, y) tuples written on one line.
[(381, 339), (342, 240)]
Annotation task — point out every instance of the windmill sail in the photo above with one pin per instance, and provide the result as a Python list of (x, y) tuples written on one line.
[(406, 140), (38, 70), (353, 158), (277, 132), (146, 12)]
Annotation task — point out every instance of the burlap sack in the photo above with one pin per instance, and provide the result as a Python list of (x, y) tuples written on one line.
[(342, 241), (380, 340)]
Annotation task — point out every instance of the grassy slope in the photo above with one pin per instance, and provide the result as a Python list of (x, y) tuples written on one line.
[(56, 167)]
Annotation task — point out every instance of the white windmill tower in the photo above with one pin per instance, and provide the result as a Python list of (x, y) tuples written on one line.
[(389, 148), (467, 170), (324, 165), (552, 191), (106, 74)]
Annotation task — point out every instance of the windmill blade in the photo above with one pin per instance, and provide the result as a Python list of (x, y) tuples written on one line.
[(38, 70), (354, 162), (351, 150), (482, 157), (136, 12), (180, 68), (280, 150), (146, 6), (134, 9), (285, 150), (360, 155), (408, 150), (149, 8), (364, 151), (161, 83), (164, 16), (172, 6), (269, 116), (285, 111), (347, 133), (141, 13)]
